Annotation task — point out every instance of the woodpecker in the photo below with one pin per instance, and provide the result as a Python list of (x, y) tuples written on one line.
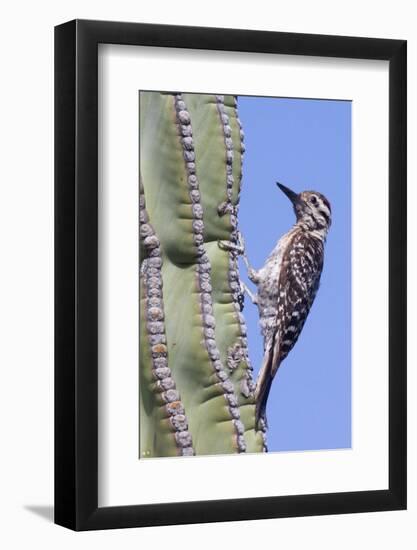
[(287, 285)]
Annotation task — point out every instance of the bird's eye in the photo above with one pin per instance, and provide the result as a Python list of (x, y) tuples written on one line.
[(313, 199)]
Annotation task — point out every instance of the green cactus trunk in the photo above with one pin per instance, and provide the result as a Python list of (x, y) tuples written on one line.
[(196, 387)]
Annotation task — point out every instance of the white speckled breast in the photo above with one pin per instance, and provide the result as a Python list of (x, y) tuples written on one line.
[(268, 287)]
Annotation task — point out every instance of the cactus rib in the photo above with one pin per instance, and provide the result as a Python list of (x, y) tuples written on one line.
[(161, 373), (238, 352), (204, 267)]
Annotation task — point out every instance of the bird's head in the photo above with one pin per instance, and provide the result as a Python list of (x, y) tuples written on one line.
[(311, 208)]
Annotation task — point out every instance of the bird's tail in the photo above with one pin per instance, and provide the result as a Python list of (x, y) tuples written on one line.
[(261, 400), (271, 362), (263, 387)]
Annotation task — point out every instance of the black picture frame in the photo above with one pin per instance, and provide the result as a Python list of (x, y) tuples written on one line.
[(76, 271)]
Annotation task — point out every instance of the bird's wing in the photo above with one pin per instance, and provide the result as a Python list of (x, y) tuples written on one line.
[(298, 283)]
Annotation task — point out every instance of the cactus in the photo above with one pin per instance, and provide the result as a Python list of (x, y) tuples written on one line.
[(196, 385)]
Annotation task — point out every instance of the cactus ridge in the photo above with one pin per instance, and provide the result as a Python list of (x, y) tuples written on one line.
[(204, 268), (227, 206), (238, 352), (164, 383)]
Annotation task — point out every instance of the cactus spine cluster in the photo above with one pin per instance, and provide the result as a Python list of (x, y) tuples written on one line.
[(196, 386)]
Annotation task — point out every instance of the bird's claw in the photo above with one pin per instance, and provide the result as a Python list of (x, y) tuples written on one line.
[(252, 275), (230, 246), (241, 241)]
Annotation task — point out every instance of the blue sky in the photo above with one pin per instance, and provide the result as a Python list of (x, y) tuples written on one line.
[(305, 144)]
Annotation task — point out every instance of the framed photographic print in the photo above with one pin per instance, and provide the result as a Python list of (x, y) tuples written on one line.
[(230, 274)]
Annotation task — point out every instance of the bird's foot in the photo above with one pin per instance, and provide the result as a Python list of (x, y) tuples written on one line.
[(244, 288), (241, 241), (253, 275), (230, 246)]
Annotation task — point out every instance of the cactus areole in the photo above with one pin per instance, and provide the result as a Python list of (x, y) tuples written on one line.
[(196, 384)]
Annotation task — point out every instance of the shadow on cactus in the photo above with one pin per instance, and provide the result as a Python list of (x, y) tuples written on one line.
[(197, 394)]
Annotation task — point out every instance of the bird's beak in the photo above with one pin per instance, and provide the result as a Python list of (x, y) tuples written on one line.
[(290, 194)]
